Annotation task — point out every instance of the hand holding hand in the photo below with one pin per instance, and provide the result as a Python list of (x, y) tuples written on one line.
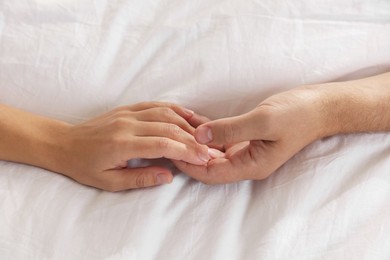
[(96, 152), (260, 141)]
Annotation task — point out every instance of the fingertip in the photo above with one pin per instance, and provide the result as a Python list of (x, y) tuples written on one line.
[(184, 112), (188, 113), (204, 156), (214, 153)]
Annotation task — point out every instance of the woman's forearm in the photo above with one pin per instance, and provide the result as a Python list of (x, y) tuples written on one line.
[(30, 139), (96, 152)]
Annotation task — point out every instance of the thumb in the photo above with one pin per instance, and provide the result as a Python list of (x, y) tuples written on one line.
[(228, 130)]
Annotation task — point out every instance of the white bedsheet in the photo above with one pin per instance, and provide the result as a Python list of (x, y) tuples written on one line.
[(72, 60)]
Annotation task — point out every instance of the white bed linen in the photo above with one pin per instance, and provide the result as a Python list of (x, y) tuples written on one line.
[(72, 60)]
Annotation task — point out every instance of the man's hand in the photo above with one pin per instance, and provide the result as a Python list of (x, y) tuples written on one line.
[(260, 141)]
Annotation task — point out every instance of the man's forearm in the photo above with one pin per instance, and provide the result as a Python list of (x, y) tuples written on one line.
[(28, 138), (356, 106)]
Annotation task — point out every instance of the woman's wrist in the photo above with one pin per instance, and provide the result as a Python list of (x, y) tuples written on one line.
[(31, 139), (48, 144), (53, 146)]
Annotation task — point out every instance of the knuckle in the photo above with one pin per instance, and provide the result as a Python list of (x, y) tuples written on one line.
[(163, 143), (167, 113), (173, 130), (140, 181), (120, 122)]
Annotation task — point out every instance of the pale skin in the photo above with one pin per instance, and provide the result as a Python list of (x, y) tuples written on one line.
[(95, 153), (259, 142), (255, 144)]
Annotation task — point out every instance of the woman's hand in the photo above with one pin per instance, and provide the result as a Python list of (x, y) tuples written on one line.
[(96, 152)]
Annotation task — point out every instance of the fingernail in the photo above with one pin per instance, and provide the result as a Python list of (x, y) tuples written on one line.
[(204, 157), (188, 112), (162, 179), (214, 153), (204, 135)]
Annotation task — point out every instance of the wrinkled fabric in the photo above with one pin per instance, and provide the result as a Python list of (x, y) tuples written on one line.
[(72, 60)]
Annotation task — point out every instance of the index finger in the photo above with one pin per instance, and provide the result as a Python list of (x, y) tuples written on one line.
[(152, 147), (180, 110)]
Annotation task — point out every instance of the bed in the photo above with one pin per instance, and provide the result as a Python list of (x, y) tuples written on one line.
[(72, 60)]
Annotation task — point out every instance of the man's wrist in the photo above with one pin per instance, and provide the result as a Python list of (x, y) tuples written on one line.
[(354, 106)]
